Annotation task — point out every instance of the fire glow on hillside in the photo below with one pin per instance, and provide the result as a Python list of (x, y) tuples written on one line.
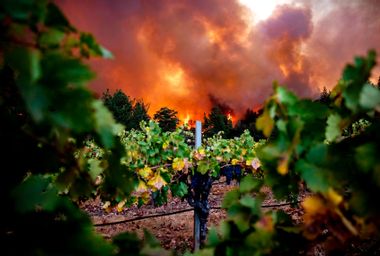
[(184, 54)]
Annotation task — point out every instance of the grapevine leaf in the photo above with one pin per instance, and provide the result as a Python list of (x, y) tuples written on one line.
[(366, 156), (203, 167), (213, 238), (285, 96), (55, 18), (61, 70), (35, 193), (249, 183), (51, 38), (178, 164), (315, 177), (94, 168), (179, 189), (252, 203), (308, 110), (333, 129), (105, 124), (370, 97), (106, 53), (18, 10), (230, 198), (145, 172), (157, 181), (265, 123)]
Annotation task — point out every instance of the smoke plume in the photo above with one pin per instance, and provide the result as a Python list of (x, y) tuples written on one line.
[(178, 53)]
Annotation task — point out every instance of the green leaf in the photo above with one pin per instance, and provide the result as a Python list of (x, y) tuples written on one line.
[(95, 168), (366, 156), (19, 10), (317, 154), (51, 38), (308, 110), (285, 96), (230, 198), (249, 183), (35, 193), (252, 203), (315, 177), (213, 238), (179, 189), (150, 239), (59, 70), (26, 63), (56, 19), (333, 129), (105, 124), (203, 167), (106, 53), (370, 97), (89, 47)]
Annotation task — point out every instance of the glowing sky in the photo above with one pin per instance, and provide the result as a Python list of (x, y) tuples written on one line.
[(187, 54), (261, 9)]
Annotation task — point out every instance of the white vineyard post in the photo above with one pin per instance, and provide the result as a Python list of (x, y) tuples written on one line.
[(197, 223)]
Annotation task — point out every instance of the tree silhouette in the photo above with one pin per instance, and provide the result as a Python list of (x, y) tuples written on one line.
[(125, 110), (167, 119), (217, 121)]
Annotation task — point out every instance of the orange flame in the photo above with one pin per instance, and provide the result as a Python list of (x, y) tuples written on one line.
[(231, 118), (186, 120)]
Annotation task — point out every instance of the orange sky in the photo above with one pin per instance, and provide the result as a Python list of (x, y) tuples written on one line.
[(183, 54)]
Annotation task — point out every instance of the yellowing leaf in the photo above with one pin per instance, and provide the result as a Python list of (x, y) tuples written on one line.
[(178, 164), (157, 182), (282, 168), (265, 123), (265, 223), (120, 206), (106, 206), (334, 196), (234, 161), (313, 205), (145, 173), (145, 197), (141, 188), (165, 145)]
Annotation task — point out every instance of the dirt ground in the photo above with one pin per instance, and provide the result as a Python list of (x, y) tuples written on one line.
[(173, 231)]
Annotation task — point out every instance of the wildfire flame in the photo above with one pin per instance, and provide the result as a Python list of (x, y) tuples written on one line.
[(186, 120), (230, 117)]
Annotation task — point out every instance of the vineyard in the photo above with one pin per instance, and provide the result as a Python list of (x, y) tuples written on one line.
[(312, 183)]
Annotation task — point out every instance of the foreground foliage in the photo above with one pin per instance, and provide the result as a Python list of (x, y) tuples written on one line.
[(310, 146), (46, 115)]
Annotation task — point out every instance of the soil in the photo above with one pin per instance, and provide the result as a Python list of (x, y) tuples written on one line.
[(173, 231), (172, 223)]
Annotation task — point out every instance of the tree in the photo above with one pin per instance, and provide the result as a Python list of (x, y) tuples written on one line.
[(129, 112), (139, 113), (248, 122), (120, 105), (324, 96), (167, 119), (217, 121)]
